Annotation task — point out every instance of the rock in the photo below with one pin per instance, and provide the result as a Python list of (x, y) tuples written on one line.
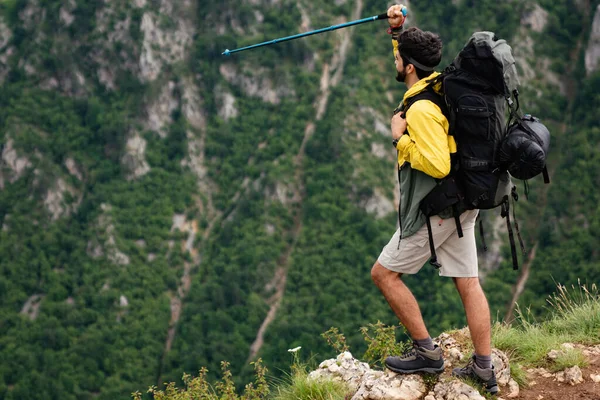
[(347, 369), (453, 352), (379, 150), (595, 378), (255, 82), (502, 367), (105, 228), (539, 371), (134, 159), (554, 354), (226, 104), (160, 111), (456, 390), (72, 168), (5, 34), (284, 193), (57, 202), (11, 159), (65, 16), (191, 106), (513, 389), (378, 204), (592, 53), (161, 46), (31, 308), (390, 386), (536, 18), (572, 376)]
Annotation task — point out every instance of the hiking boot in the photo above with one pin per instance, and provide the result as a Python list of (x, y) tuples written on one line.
[(418, 359), (485, 376)]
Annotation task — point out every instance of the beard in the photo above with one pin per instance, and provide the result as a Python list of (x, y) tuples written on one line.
[(401, 76)]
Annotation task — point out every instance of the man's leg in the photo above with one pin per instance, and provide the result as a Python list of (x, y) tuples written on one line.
[(401, 300), (425, 356), (478, 318), (478, 314)]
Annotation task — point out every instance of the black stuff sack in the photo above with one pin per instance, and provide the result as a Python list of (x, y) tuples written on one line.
[(524, 149)]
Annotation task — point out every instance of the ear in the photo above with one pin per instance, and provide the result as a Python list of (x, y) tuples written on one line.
[(410, 69)]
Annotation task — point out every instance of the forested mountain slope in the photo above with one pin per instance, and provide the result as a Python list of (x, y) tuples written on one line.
[(164, 207)]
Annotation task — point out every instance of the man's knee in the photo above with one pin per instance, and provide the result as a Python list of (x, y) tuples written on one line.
[(465, 285), (381, 274)]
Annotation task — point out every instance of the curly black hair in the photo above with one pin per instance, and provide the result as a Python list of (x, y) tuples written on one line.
[(422, 46)]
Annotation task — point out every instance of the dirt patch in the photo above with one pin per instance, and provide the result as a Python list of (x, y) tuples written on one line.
[(550, 389)]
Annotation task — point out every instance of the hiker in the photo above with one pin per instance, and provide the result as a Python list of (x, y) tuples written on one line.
[(424, 147)]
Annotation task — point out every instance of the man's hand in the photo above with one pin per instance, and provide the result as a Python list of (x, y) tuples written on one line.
[(395, 16), (398, 125)]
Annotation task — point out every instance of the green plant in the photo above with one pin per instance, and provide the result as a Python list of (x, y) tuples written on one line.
[(381, 340), (200, 388), (335, 339), (568, 358)]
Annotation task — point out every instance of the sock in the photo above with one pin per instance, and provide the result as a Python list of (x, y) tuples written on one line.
[(483, 362), (425, 343)]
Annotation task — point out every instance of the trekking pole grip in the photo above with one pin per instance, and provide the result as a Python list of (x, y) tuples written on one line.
[(382, 16)]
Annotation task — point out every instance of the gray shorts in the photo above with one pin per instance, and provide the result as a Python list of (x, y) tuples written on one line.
[(458, 256)]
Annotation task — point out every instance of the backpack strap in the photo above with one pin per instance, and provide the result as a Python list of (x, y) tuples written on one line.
[(511, 237), (546, 175), (433, 204), (437, 99), (427, 94), (515, 198), (433, 260), (481, 233)]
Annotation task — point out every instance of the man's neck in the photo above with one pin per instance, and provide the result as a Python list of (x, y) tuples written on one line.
[(411, 80)]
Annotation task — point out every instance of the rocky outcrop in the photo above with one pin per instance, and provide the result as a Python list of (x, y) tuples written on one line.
[(160, 110), (104, 242), (191, 108), (73, 169), (66, 12), (536, 18), (255, 82), (592, 54), (164, 46), (12, 166), (31, 308), (61, 199), (226, 103), (5, 34), (134, 159), (369, 384), (378, 204), (5, 51)]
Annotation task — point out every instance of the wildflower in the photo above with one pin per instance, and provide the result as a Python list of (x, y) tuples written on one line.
[(295, 349)]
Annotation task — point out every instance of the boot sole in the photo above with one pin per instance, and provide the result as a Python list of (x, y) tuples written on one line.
[(414, 371)]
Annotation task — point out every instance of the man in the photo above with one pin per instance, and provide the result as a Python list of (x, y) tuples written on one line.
[(424, 147)]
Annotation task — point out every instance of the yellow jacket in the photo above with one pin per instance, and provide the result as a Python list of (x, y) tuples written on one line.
[(427, 146)]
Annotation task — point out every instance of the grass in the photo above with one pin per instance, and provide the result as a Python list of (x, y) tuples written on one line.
[(575, 318), (297, 386)]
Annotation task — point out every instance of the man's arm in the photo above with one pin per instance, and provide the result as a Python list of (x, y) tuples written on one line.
[(426, 147), (395, 20)]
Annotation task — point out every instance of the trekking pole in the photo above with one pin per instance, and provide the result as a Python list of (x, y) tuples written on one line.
[(228, 52)]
